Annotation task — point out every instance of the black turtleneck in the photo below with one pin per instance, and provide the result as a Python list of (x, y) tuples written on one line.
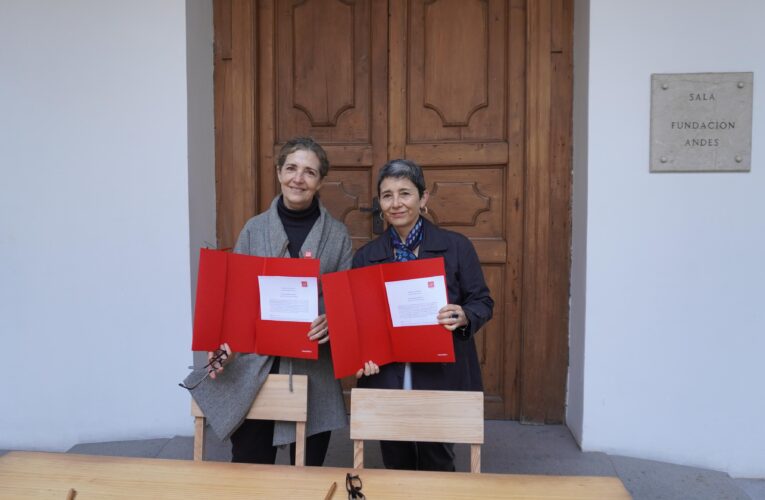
[(297, 224)]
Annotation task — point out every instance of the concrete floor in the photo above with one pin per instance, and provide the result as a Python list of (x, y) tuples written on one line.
[(509, 448)]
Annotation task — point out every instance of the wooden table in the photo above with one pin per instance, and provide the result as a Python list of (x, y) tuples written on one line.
[(51, 475)]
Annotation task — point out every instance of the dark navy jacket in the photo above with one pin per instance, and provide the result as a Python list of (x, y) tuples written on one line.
[(465, 286)]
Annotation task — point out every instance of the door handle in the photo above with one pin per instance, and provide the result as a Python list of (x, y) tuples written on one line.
[(377, 223)]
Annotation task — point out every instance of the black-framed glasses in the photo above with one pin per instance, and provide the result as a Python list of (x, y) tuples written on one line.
[(215, 363), (353, 485)]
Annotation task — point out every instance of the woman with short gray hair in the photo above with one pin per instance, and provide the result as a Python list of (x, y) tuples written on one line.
[(403, 199)]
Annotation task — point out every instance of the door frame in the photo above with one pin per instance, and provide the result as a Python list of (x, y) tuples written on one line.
[(539, 218)]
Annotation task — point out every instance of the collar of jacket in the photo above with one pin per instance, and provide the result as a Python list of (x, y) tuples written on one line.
[(434, 243)]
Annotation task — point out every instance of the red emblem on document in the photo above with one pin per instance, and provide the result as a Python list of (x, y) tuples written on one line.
[(304, 284), (431, 284)]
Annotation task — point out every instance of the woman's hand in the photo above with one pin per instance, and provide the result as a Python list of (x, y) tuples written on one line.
[(370, 368), (224, 356), (452, 316), (319, 330)]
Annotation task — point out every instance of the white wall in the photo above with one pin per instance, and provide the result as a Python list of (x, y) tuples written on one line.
[(94, 221), (577, 314), (675, 328), (201, 127)]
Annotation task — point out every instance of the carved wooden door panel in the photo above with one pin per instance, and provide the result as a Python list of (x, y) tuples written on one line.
[(323, 74), (455, 85), (448, 110), (456, 109)]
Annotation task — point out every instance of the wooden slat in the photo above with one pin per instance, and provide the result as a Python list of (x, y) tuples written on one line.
[(222, 23), (267, 101), (300, 444), (199, 436), (275, 401), (535, 269), (481, 153), (397, 40), (547, 237), (559, 282), (514, 209), (358, 454), (560, 26), (537, 308), (475, 458), (235, 153), (380, 82), (50, 475), (436, 416), (490, 343)]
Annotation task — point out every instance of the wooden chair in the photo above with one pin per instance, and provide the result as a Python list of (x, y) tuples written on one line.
[(274, 402), (430, 416)]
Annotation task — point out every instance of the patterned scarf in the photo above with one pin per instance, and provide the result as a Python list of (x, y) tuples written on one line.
[(405, 251)]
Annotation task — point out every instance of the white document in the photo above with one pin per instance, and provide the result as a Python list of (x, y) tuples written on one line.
[(416, 302), (287, 298)]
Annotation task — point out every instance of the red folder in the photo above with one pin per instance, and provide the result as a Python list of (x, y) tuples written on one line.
[(360, 324), (228, 306)]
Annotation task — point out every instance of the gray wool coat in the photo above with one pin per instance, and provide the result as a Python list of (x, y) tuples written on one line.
[(230, 396)]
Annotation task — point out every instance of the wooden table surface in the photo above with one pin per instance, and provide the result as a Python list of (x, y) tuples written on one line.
[(50, 475)]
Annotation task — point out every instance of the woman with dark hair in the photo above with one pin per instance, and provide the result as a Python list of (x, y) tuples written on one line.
[(403, 198), (296, 225)]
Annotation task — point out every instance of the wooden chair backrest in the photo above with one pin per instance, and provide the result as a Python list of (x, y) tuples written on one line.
[(274, 402), (430, 416)]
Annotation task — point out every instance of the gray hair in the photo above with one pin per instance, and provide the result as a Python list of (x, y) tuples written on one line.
[(304, 144), (402, 169)]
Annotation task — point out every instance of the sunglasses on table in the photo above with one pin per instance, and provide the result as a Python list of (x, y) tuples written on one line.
[(353, 485)]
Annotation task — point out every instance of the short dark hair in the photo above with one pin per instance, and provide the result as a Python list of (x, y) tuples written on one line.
[(402, 169), (304, 144)]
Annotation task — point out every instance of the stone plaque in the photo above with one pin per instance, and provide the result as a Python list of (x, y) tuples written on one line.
[(701, 122)]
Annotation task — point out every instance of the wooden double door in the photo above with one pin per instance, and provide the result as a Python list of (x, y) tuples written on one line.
[(475, 91)]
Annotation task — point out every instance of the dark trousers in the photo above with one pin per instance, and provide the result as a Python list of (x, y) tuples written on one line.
[(418, 456), (252, 443)]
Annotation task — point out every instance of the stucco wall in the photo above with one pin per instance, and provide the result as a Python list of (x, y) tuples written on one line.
[(95, 309), (674, 329)]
